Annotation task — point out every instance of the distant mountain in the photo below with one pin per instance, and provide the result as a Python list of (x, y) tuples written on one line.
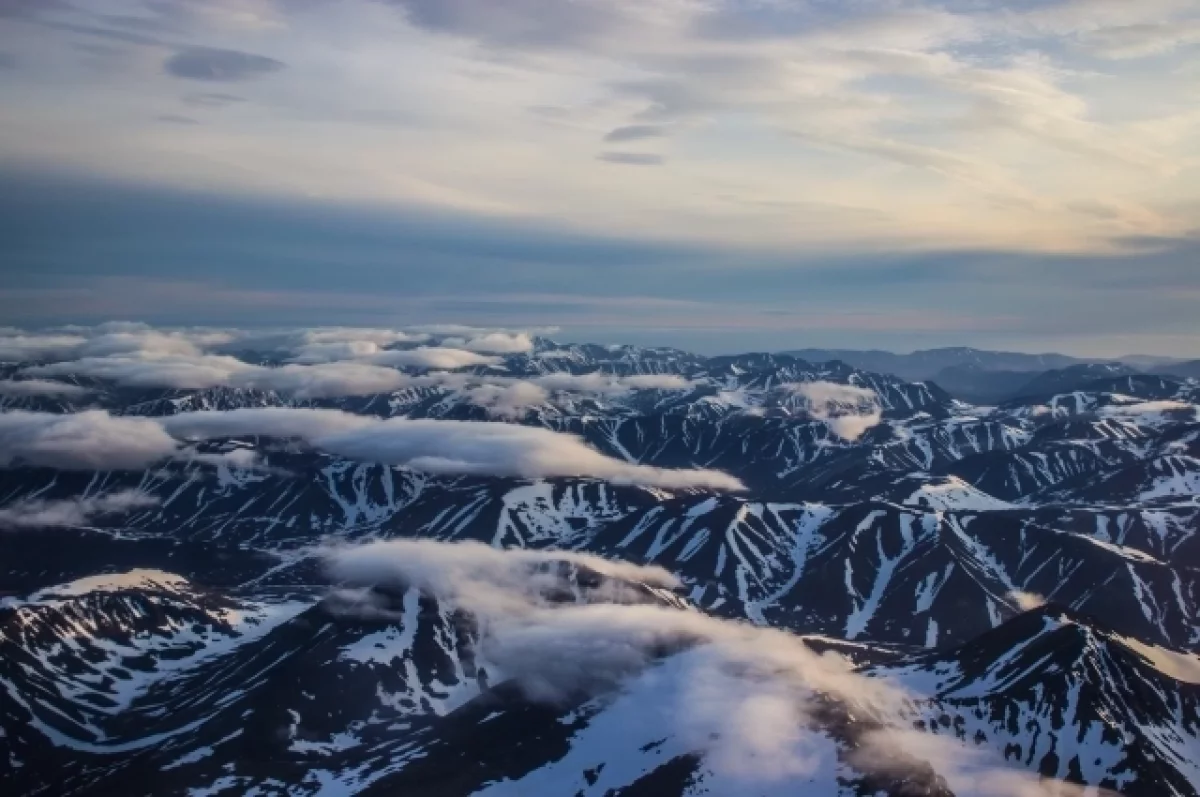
[(927, 363), (978, 385), (1148, 362), (1071, 378), (1187, 370), (978, 376)]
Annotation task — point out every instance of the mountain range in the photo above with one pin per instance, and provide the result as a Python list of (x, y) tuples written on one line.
[(981, 376), (229, 566)]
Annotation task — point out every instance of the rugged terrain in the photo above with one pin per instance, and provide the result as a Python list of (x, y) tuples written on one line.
[(1025, 574)]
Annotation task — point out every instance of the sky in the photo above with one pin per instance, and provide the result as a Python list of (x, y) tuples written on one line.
[(719, 175)]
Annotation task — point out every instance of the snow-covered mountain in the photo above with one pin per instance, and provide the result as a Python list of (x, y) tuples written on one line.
[(1025, 577)]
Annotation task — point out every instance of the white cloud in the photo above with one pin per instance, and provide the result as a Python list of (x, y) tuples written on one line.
[(427, 357), (240, 458), (852, 427), (380, 337), (346, 343), (36, 513), (202, 371), (848, 410), (1152, 412), (508, 400), (152, 343), (24, 348), (741, 694), (327, 380), (334, 351), (834, 394), (500, 343), (499, 449), (179, 371), (39, 387), (610, 384), (281, 422), (506, 397), (448, 447), (475, 575), (91, 440), (328, 363), (137, 340)]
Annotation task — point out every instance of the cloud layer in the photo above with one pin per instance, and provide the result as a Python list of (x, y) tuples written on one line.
[(321, 363), (34, 513), (740, 694), (446, 447), (91, 440), (95, 440), (325, 369), (25, 388)]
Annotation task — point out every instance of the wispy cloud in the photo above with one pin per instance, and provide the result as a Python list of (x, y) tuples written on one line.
[(23, 388), (975, 124), (634, 133), (632, 158), (36, 513)]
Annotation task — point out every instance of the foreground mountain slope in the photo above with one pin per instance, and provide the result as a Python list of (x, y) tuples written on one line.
[(1061, 693)]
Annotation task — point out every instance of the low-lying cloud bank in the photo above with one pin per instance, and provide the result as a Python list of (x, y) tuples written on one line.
[(317, 344), (26, 388), (506, 397), (742, 695), (95, 440), (368, 375), (92, 440), (35, 513), (200, 372), (347, 361), (847, 410), (445, 447), (318, 363), (430, 357), (495, 343)]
